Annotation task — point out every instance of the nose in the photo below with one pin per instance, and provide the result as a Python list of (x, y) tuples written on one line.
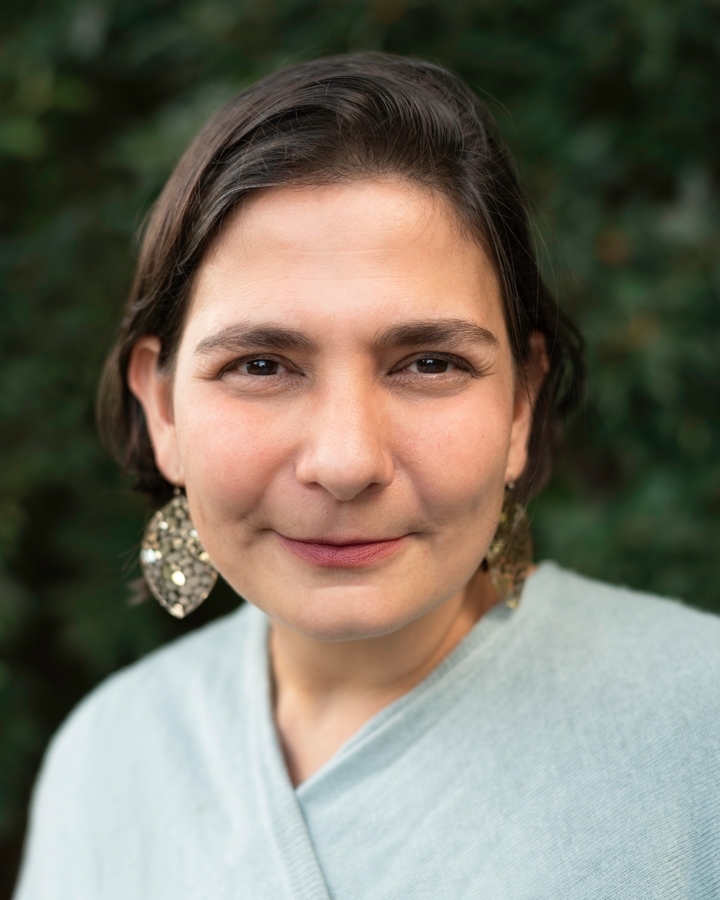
[(346, 447)]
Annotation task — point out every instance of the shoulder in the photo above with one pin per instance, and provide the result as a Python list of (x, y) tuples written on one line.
[(137, 753), (141, 759), (160, 695), (626, 636), (622, 612), (634, 681)]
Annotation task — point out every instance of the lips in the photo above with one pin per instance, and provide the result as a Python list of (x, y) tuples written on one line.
[(342, 556)]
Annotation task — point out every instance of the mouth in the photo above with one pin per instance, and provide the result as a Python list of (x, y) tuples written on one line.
[(346, 555)]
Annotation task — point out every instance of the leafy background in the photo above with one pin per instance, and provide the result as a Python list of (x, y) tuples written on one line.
[(612, 108)]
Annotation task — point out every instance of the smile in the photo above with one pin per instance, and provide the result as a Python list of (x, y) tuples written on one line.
[(350, 555)]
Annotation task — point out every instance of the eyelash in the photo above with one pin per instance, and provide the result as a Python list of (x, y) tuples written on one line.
[(462, 364)]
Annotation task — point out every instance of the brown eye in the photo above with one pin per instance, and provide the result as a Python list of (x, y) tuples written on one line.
[(431, 365), (261, 367)]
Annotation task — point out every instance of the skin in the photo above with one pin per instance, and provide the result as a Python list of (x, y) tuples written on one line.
[(339, 293)]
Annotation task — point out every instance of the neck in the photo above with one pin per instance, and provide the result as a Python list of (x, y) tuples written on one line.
[(326, 691)]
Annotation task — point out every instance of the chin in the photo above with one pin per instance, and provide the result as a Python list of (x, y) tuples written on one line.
[(343, 618)]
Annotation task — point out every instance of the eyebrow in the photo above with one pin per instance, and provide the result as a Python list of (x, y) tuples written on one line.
[(237, 338), (435, 331), (257, 337)]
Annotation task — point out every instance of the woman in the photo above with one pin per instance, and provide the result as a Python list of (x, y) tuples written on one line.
[(340, 374)]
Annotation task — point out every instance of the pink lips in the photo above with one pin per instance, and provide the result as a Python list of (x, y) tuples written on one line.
[(341, 556)]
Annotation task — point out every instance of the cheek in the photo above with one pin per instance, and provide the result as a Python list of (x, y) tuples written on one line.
[(230, 452), (457, 452)]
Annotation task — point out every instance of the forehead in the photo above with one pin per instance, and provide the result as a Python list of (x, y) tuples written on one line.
[(383, 214), (364, 247)]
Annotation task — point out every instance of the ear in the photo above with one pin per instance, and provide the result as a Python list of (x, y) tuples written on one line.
[(153, 389), (530, 378)]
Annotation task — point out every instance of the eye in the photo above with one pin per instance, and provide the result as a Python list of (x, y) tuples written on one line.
[(261, 366), (247, 373), (431, 365)]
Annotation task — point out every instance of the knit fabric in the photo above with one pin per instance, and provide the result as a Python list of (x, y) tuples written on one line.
[(569, 748)]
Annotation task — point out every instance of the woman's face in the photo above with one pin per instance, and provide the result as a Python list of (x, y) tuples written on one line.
[(344, 411)]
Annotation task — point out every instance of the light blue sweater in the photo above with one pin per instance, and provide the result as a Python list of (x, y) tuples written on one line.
[(567, 750)]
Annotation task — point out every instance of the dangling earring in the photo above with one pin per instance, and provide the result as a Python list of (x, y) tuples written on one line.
[(176, 567), (510, 555)]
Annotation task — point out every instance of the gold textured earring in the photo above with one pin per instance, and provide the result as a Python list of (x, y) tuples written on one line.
[(175, 564), (510, 555)]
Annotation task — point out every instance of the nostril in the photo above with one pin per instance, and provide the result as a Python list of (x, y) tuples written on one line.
[(343, 483)]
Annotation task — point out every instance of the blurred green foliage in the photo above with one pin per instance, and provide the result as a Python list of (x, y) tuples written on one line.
[(612, 108)]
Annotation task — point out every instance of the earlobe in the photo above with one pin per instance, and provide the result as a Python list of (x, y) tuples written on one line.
[(152, 388)]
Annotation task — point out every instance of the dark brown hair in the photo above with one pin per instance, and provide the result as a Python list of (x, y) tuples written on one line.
[(330, 120)]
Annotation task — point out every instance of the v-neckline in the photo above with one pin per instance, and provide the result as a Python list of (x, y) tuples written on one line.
[(275, 793), (478, 635), (448, 676), (282, 803)]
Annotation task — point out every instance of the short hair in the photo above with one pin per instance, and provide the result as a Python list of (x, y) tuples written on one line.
[(335, 120)]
